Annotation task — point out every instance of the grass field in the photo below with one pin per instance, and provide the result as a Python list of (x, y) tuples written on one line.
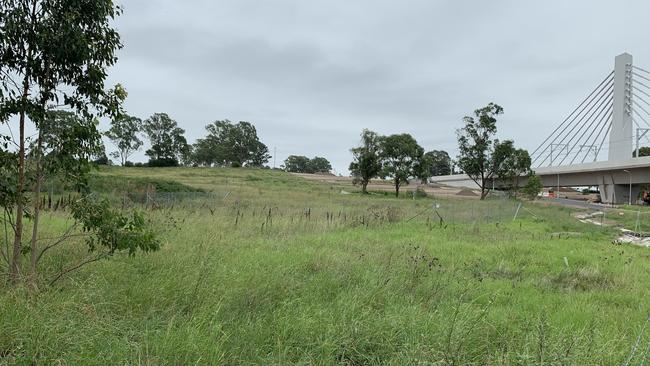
[(261, 267)]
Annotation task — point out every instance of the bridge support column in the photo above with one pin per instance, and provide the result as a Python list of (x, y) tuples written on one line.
[(621, 138), (618, 193)]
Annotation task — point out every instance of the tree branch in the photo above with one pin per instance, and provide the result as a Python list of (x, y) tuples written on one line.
[(77, 266), (60, 240)]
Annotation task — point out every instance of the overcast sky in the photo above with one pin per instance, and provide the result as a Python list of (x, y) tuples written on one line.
[(310, 75)]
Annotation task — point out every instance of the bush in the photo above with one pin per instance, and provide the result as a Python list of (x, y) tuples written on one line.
[(533, 187), (421, 193), (163, 162), (102, 160)]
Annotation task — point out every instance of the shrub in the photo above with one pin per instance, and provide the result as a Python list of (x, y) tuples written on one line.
[(532, 187), (163, 162), (420, 193)]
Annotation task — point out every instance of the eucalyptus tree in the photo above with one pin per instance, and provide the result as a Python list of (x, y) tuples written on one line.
[(229, 144), (401, 159), (124, 134), (366, 159), (296, 164), (440, 163), (482, 156), (318, 164), (53, 54), (168, 143)]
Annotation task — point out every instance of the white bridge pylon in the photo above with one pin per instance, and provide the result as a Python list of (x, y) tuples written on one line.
[(616, 111)]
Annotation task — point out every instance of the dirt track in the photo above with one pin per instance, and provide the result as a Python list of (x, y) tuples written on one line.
[(386, 186)]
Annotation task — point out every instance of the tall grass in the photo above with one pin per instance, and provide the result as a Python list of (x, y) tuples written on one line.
[(283, 271)]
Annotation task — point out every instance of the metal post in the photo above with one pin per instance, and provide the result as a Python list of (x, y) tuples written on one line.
[(558, 148), (629, 200), (640, 133)]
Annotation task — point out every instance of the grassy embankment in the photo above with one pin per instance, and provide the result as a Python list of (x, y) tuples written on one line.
[(271, 269)]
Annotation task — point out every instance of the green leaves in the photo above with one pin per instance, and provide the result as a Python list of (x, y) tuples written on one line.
[(68, 144), (533, 186), (438, 163), (482, 157), (366, 163), (124, 134), (8, 174), (303, 164), (168, 143), (60, 50), (401, 158), (229, 144), (111, 229)]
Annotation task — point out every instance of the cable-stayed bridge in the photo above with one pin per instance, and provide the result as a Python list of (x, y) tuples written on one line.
[(598, 143)]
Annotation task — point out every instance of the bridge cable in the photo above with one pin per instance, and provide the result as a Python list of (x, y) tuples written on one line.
[(636, 142), (580, 109), (608, 124), (640, 83), (641, 76), (569, 130), (554, 136), (602, 107), (640, 116), (640, 106), (640, 69), (640, 91), (639, 98), (571, 114), (600, 121), (609, 127), (597, 100), (639, 126)]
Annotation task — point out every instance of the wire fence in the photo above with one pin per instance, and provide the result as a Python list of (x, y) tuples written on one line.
[(340, 209)]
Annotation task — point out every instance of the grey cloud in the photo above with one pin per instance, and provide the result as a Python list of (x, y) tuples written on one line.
[(311, 74)]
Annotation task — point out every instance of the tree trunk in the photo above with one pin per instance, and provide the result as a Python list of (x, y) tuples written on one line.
[(484, 192), (396, 188), (14, 273), (364, 187), (14, 270), (37, 209)]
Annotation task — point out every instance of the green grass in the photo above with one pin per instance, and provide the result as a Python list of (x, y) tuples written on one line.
[(284, 271)]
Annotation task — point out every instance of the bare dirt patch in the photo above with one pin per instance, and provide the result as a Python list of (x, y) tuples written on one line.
[(378, 185)]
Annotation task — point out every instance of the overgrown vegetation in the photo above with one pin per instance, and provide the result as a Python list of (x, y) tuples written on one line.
[(278, 270), (54, 57)]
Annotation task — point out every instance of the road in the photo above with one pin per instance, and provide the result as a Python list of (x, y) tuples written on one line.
[(576, 203)]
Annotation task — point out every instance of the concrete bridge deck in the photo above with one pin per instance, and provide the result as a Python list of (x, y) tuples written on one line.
[(612, 178)]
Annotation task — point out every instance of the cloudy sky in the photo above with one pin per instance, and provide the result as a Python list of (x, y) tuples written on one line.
[(310, 75)]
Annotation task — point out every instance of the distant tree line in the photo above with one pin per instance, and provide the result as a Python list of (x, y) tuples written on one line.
[(225, 145), (303, 164), (481, 156), (398, 157)]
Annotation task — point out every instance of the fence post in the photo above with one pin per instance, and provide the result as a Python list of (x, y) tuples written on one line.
[(517, 212)]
